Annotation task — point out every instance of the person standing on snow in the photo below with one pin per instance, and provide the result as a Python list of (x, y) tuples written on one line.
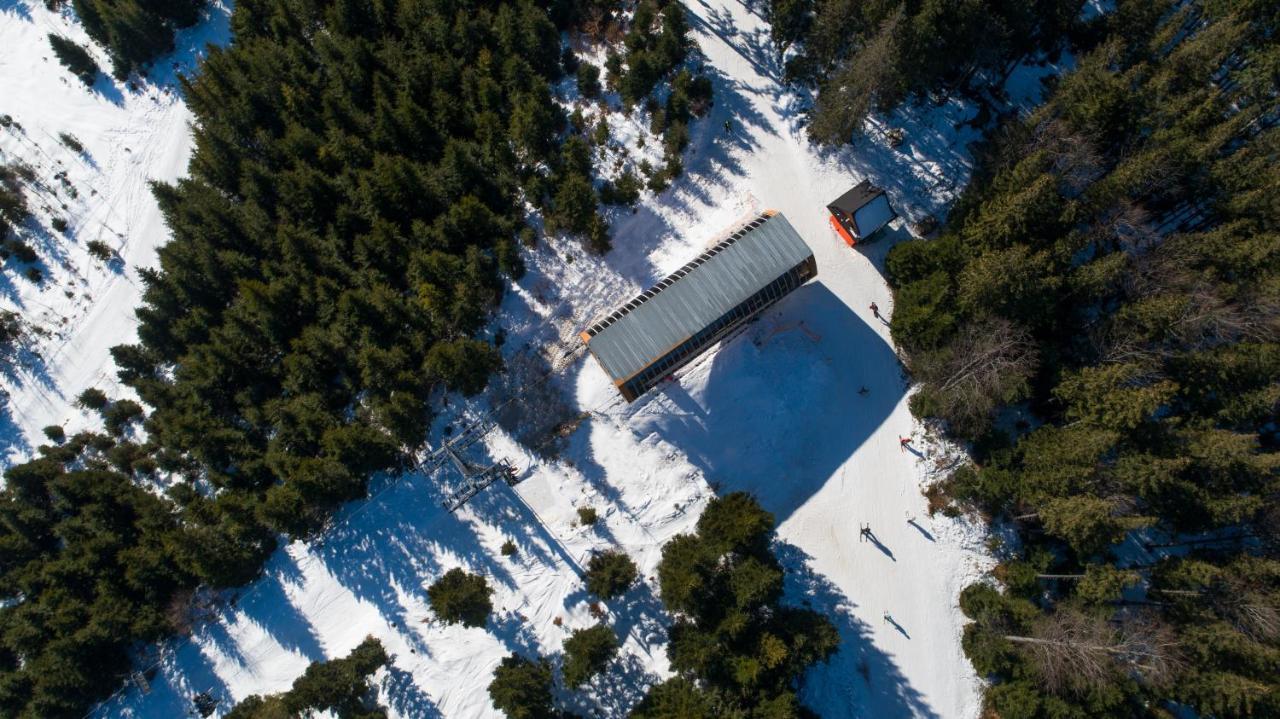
[(875, 310)]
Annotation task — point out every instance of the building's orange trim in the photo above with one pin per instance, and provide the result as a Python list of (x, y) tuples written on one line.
[(770, 213), (586, 336), (840, 230)]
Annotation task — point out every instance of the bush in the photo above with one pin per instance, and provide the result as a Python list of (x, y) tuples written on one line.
[(20, 251), (521, 688), (587, 652), (71, 141), (459, 597), (508, 548), (610, 573), (34, 274), (587, 516), (55, 433), (59, 224), (100, 250), (75, 58), (92, 398)]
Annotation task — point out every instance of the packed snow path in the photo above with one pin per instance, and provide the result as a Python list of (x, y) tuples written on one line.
[(776, 411)]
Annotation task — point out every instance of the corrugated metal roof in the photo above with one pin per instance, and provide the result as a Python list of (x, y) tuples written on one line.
[(697, 294)]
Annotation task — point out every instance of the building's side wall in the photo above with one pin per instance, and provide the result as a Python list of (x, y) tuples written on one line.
[(682, 354)]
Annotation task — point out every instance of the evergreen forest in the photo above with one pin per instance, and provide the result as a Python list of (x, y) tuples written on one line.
[(864, 57), (134, 32), (1100, 322), (356, 200)]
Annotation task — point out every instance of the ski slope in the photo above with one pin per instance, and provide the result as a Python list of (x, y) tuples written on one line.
[(776, 410), (131, 137)]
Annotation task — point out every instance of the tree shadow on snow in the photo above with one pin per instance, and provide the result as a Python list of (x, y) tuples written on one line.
[(859, 680), (778, 420), (178, 679), (400, 693), (269, 606), (712, 160)]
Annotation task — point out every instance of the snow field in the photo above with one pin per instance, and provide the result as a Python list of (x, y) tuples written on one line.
[(131, 137)]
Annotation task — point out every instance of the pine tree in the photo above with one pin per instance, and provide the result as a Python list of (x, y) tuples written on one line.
[(587, 652), (459, 597)]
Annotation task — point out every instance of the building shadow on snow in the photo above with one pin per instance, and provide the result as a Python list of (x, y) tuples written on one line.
[(779, 419)]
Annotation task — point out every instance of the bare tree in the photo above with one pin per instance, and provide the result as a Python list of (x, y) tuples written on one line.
[(989, 364), (1073, 157), (847, 99), (1075, 651)]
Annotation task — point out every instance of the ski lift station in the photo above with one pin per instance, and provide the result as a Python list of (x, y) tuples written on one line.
[(677, 319), (858, 213)]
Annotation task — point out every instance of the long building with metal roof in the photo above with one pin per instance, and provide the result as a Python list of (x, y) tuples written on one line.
[(672, 322)]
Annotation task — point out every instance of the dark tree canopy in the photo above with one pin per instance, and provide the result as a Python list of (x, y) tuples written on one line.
[(1114, 271), (338, 686), (865, 56), (459, 597), (74, 58), (521, 688), (136, 31), (734, 646), (351, 212), (587, 652), (610, 574)]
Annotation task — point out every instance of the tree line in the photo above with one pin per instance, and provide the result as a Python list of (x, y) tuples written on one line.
[(356, 197), (1100, 321), (863, 57), (134, 32)]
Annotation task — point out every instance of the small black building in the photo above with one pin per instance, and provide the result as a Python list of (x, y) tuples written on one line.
[(858, 213)]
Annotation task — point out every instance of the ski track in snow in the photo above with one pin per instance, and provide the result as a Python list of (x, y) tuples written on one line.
[(131, 138), (775, 411)]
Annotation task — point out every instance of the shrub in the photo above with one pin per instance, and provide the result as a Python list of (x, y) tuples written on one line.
[(20, 251), (508, 548), (92, 398), (587, 652), (101, 250), (55, 433), (59, 224), (521, 688), (34, 274), (459, 597), (587, 516), (71, 141), (610, 573), (74, 58)]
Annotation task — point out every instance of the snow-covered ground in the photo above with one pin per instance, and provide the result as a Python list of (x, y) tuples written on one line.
[(776, 411), (131, 136)]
